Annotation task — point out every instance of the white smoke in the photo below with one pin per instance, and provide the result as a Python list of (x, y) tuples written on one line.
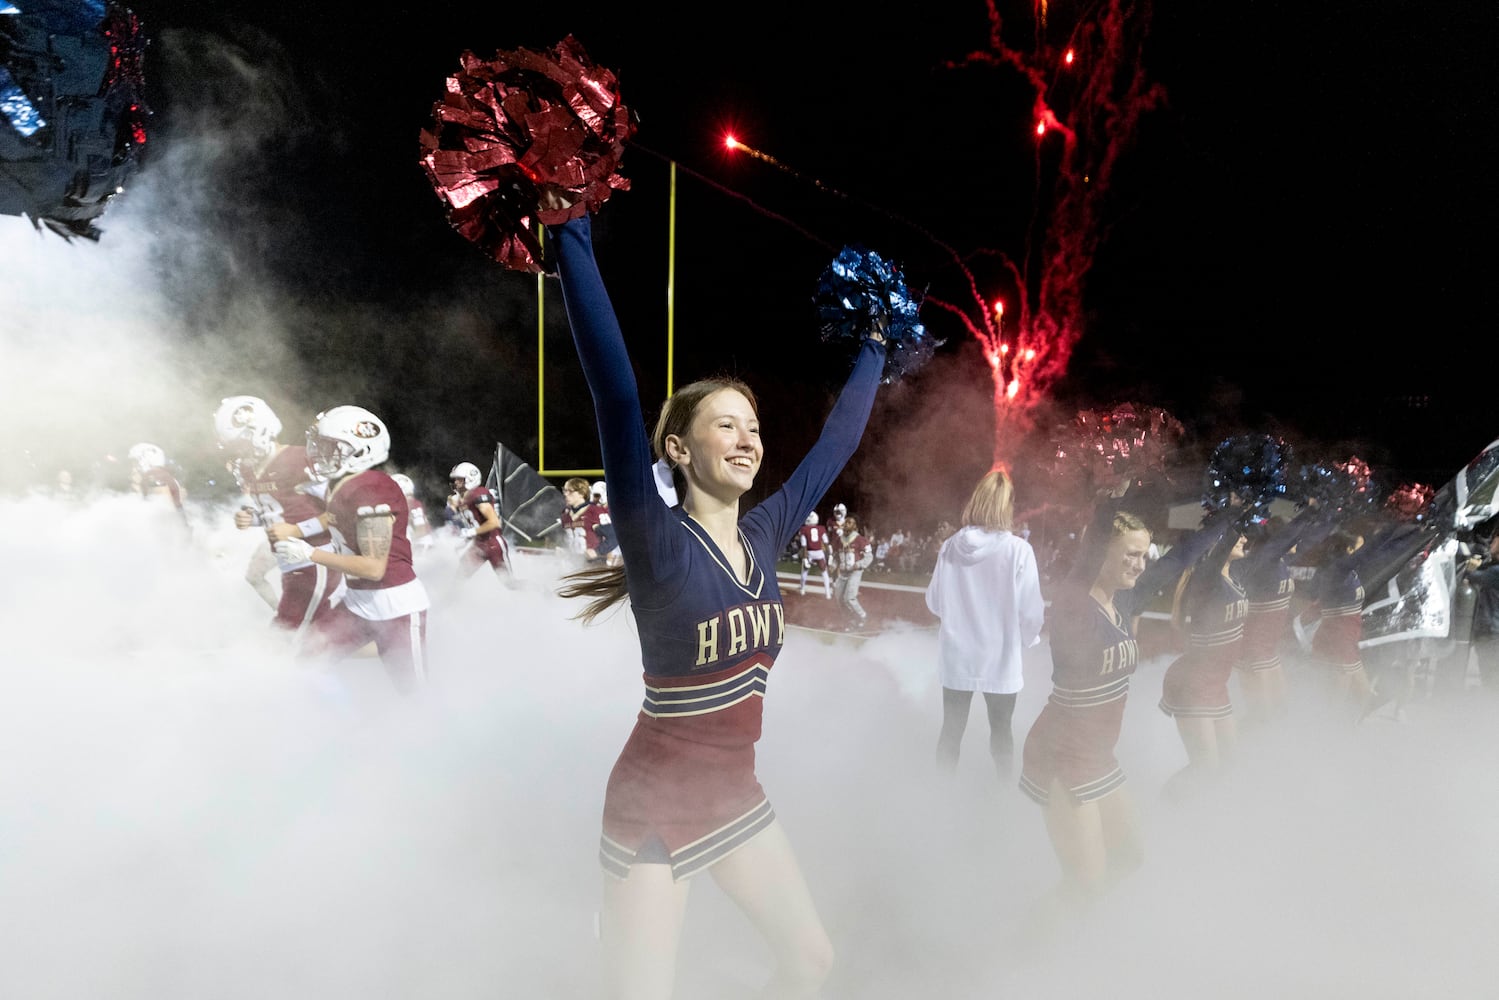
[(188, 813)]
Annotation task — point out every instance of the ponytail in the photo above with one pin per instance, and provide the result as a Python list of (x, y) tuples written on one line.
[(604, 584)]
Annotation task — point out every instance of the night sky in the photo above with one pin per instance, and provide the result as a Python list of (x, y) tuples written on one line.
[(1293, 239)]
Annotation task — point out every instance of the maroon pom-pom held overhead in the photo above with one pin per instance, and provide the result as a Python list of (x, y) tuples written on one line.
[(508, 126)]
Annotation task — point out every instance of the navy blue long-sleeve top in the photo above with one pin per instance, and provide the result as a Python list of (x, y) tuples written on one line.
[(697, 619)]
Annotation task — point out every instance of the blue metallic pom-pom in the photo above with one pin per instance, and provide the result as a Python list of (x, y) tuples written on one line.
[(1346, 485), (1250, 469), (73, 114), (860, 291)]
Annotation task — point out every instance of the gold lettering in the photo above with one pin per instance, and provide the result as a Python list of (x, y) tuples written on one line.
[(738, 640), (1120, 656), (759, 615), (780, 623), (707, 641)]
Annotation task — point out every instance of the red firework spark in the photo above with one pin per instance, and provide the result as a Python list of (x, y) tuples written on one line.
[(1090, 94)]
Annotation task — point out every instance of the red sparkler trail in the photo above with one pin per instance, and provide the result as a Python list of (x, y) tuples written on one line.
[(731, 143), (735, 194)]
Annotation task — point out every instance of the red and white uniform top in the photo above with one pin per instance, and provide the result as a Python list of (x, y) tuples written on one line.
[(468, 512), (372, 493), (854, 552), (158, 478), (835, 539), (581, 525), (275, 490), (813, 540), (417, 517)]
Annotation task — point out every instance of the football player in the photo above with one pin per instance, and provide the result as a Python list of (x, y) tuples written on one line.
[(419, 530), (275, 481), (580, 519), (479, 513), (386, 603), (811, 539), (151, 476)]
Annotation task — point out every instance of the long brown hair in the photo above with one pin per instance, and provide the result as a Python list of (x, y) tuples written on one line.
[(606, 586)]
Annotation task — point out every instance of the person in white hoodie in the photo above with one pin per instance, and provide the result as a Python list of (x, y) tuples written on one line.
[(987, 592)]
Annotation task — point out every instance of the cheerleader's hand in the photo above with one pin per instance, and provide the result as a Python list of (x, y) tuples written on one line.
[(553, 198)]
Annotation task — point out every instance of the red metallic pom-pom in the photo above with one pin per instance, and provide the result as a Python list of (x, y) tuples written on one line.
[(1129, 439), (508, 126), (1410, 501)]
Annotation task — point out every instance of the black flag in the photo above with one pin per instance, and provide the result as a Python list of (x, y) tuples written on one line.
[(529, 506)]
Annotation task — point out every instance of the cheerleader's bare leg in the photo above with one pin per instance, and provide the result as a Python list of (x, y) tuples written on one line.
[(1274, 684), (1123, 843), (1252, 685), (1226, 739), (765, 881), (1200, 737), (641, 928), (1077, 836)]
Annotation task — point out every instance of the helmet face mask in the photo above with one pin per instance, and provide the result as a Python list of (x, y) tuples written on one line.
[(247, 426), (346, 440), (145, 457), (465, 476), (325, 456)]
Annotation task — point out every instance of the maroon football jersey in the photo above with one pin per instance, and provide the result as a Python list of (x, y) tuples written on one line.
[(273, 489), (363, 494), (471, 501), (158, 478)]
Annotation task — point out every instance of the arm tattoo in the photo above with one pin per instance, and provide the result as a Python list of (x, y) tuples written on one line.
[(374, 535)]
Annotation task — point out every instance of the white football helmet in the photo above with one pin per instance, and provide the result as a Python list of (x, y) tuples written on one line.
[(601, 492), (405, 483), (147, 456), (812, 517), (247, 422), (468, 472), (839, 512), (346, 440)]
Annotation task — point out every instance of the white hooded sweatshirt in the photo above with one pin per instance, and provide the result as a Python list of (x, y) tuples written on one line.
[(987, 592)]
